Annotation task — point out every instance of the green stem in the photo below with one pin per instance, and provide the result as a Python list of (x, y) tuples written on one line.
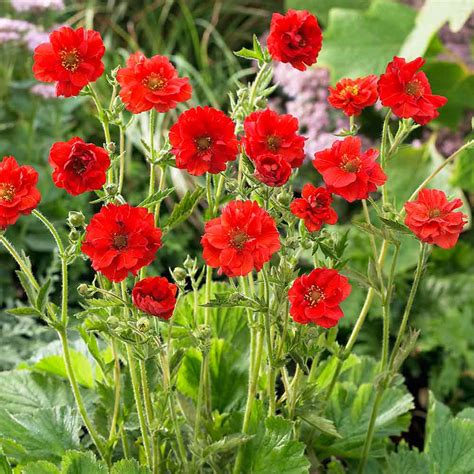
[(151, 189), (445, 163), (122, 159), (117, 388), (77, 394), (411, 298), (139, 404)]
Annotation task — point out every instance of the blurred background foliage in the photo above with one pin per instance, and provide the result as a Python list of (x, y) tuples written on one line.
[(360, 37)]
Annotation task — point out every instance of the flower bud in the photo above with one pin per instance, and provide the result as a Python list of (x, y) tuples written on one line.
[(111, 189), (110, 147), (113, 322), (84, 290), (74, 235), (143, 325), (284, 198), (76, 219), (179, 274), (189, 263)]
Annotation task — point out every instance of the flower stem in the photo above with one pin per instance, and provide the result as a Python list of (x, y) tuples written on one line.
[(117, 388)]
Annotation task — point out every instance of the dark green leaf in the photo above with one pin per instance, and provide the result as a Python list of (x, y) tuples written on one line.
[(185, 207)]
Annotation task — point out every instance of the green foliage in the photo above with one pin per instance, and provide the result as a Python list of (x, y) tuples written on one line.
[(273, 446), (184, 208), (380, 32), (448, 446)]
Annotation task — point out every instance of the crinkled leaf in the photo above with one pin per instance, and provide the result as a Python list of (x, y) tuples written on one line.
[(156, 197), (128, 466), (40, 467), (406, 461), (47, 433), (185, 207), (76, 462), (380, 32)]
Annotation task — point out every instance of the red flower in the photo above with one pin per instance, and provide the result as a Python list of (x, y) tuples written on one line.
[(347, 171), (267, 132), (78, 166), (18, 192), (272, 170), (244, 237), (314, 207), (121, 240), (315, 298), (151, 84), (295, 38), (354, 95), (408, 92), (72, 59), (432, 220), (203, 141), (155, 296)]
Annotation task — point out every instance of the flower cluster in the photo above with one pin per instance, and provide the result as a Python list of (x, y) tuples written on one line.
[(121, 239)]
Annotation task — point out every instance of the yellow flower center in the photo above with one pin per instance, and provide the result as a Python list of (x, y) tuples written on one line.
[(7, 192), (70, 59), (155, 82)]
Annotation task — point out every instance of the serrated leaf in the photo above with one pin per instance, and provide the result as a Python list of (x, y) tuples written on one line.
[(226, 444), (322, 424), (54, 364), (42, 298), (185, 207), (406, 461), (76, 462), (381, 31), (128, 466), (24, 311), (156, 197), (230, 300), (25, 283), (40, 467), (396, 226), (47, 435), (276, 447)]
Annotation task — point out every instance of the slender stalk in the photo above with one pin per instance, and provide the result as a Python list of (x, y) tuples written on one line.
[(139, 404), (77, 394), (411, 298), (121, 158), (151, 188), (117, 388), (23, 266), (401, 332), (443, 165), (150, 416)]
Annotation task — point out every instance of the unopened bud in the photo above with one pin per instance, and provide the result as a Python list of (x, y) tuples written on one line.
[(84, 290), (180, 274), (110, 147), (189, 263), (113, 322), (143, 325), (284, 198), (76, 219), (111, 189), (74, 235)]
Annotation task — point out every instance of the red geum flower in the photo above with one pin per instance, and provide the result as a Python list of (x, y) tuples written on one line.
[(121, 240), (432, 219), (408, 92), (151, 84), (155, 296), (243, 238), (314, 207), (315, 298), (347, 171), (203, 141), (78, 166), (268, 132), (18, 192), (295, 38), (272, 170), (72, 59), (354, 95)]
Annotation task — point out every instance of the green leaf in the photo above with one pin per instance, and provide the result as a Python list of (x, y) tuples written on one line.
[(128, 466), (40, 467), (321, 8), (455, 82), (463, 174), (438, 415), (54, 364), (24, 311), (230, 300), (227, 443), (25, 283), (275, 447), (379, 32), (155, 198), (406, 461), (431, 17), (76, 462), (45, 434), (24, 392), (43, 295), (322, 424), (5, 467), (185, 207), (451, 449)]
